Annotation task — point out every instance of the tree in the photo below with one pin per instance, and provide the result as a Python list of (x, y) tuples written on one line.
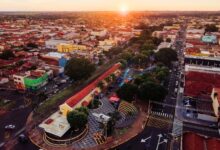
[(157, 41), (126, 56), (127, 92), (148, 45), (161, 73), (113, 51), (108, 79), (211, 28), (101, 85), (151, 91), (113, 76), (83, 109), (7, 54), (77, 120), (124, 63), (168, 40), (140, 60), (166, 56), (79, 68), (32, 45)]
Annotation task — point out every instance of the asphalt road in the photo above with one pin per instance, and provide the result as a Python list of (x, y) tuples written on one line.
[(150, 144)]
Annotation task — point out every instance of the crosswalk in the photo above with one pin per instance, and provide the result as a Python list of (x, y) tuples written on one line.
[(160, 120), (99, 138), (162, 114), (177, 127)]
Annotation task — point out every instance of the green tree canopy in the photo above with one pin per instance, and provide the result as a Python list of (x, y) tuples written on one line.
[(7, 54), (211, 28), (79, 68), (127, 92), (166, 56), (83, 109), (76, 119), (151, 91), (127, 56)]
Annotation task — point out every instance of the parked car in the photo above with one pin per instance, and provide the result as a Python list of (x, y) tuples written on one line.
[(22, 139), (10, 127)]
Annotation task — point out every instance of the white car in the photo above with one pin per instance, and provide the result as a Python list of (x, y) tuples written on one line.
[(10, 126)]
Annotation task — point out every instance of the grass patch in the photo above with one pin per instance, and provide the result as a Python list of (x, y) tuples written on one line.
[(53, 101)]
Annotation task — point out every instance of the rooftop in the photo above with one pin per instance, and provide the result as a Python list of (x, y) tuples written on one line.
[(56, 124), (200, 84), (192, 141), (72, 101)]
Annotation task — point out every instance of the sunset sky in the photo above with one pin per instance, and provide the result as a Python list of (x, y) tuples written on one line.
[(106, 5)]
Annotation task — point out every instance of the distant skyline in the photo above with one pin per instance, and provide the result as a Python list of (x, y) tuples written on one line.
[(109, 5)]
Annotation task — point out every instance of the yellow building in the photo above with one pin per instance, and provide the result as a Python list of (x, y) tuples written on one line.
[(216, 101), (66, 48), (85, 96)]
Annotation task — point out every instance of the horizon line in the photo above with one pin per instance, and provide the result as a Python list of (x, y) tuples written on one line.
[(109, 11)]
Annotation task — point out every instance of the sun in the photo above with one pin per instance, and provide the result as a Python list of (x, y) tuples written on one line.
[(124, 9)]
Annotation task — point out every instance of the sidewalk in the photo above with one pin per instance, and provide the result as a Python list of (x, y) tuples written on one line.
[(36, 135), (179, 114), (135, 129)]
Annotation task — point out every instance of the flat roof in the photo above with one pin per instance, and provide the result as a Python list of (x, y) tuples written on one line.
[(56, 124), (55, 54)]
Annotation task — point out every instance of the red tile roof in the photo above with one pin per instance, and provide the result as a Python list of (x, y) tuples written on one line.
[(213, 144), (200, 84), (72, 101), (192, 141)]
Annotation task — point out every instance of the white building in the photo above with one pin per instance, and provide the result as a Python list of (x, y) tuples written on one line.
[(107, 44), (52, 43), (100, 33), (163, 45)]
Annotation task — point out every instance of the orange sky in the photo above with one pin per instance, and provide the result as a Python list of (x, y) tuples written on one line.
[(105, 5)]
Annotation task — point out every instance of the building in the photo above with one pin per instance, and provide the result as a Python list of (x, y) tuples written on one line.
[(99, 33), (84, 97), (67, 48), (210, 39), (31, 80), (194, 33), (107, 44), (57, 123), (193, 141), (54, 58), (163, 45), (52, 43), (216, 101)]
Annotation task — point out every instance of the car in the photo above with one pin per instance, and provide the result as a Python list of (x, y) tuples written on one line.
[(22, 139), (212, 125), (10, 127)]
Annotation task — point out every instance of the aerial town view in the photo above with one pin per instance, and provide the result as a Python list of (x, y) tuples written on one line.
[(109, 75)]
